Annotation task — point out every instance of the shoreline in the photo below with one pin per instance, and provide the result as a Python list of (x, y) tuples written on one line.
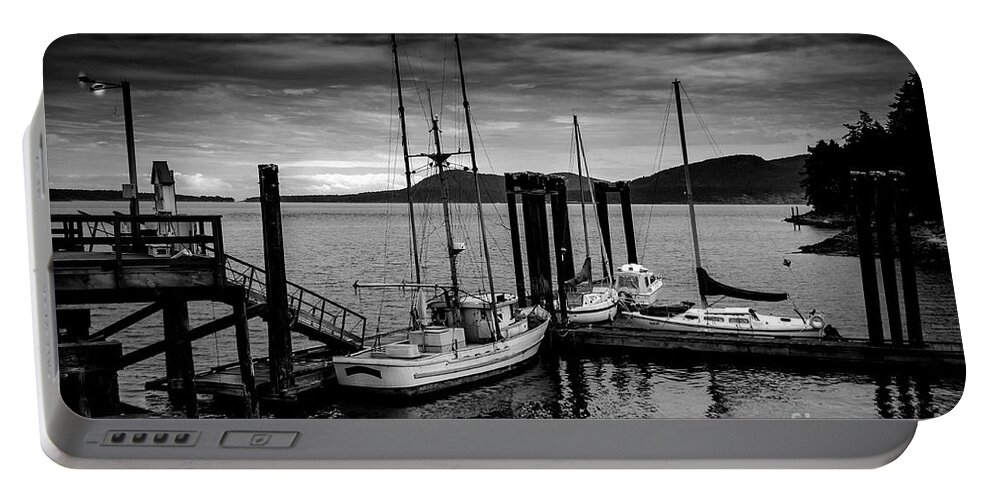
[(930, 245)]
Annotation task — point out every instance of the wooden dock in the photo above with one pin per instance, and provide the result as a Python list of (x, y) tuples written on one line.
[(312, 370), (95, 261), (932, 356)]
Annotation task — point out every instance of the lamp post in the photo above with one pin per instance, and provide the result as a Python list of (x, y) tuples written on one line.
[(130, 190)]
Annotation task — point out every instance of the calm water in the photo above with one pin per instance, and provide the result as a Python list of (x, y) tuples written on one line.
[(329, 246)]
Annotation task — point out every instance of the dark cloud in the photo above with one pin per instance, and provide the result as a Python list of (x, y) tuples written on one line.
[(324, 105)]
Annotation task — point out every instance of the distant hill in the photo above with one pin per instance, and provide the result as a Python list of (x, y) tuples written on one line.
[(729, 179), (115, 195)]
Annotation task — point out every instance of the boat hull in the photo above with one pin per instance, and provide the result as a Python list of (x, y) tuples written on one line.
[(430, 374), (676, 325), (590, 315)]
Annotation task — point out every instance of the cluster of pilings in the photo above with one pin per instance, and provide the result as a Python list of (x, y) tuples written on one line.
[(881, 203), (533, 189)]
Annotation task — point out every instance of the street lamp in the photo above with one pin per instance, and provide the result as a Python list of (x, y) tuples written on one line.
[(130, 190)]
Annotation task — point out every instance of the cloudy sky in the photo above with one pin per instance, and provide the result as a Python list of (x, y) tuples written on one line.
[(324, 107)]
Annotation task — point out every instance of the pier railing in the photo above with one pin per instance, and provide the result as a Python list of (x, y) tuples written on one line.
[(83, 232), (312, 315)]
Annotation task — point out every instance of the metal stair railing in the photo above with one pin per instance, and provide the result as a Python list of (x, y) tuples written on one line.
[(310, 313)]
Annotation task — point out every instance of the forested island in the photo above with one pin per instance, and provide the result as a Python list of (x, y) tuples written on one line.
[(115, 195), (902, 144)]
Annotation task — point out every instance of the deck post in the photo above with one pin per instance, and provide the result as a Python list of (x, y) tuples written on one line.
[(515, 238), (245, 362), (915, 334), (180, 370), (867, 255), (884, 237), (625, 190), (600, 199), (277, 319)]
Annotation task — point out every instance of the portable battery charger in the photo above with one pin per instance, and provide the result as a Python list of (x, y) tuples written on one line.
[(486, 251)]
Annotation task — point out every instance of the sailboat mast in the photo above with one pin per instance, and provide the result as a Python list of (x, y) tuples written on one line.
[(582, 191), (406, 163), (689, 187), (439, 161), (607, 271), (479, 202)]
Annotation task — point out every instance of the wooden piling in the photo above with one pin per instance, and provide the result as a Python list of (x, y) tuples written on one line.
[(562, 234), (180, 370), (625, 191), (915, 334), (562, 238), (884, 237), (277, 318), (536, 240), (867, 256), (529, 204), (600, 199), (88, 377), (73, 324), (244, 346), (515, 238)]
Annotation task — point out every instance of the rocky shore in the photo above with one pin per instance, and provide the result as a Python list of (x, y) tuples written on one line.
[(928, 238)]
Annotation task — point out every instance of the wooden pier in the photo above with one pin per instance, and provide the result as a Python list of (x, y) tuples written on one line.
[(169, 261)]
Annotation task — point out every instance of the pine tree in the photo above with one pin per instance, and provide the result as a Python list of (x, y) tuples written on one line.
[(911, 147)]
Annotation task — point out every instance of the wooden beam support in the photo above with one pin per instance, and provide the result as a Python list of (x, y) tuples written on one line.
[(125, 322), (245, 361), (180, 368), (190, 335)]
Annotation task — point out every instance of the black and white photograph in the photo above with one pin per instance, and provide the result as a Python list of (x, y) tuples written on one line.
[(485, 226)]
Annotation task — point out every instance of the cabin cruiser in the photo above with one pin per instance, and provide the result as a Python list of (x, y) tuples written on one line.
[(637, 286)]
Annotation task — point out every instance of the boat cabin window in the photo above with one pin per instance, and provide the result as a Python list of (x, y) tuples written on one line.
[(691, 317), (715, 319), (738, 320), (627, 282)]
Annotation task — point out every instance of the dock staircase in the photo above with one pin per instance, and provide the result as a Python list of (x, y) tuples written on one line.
[(311, 315), (316, 317)]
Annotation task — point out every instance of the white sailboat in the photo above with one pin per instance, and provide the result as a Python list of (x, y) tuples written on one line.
[(707, 319), (597, 303), (460, 337)]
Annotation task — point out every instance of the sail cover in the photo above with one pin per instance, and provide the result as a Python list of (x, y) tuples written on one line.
[(585, 274), (710, 286)]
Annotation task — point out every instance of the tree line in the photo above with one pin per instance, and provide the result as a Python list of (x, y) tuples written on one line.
[(904, 144)]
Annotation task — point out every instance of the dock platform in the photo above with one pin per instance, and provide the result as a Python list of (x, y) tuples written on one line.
[(933, 356)]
